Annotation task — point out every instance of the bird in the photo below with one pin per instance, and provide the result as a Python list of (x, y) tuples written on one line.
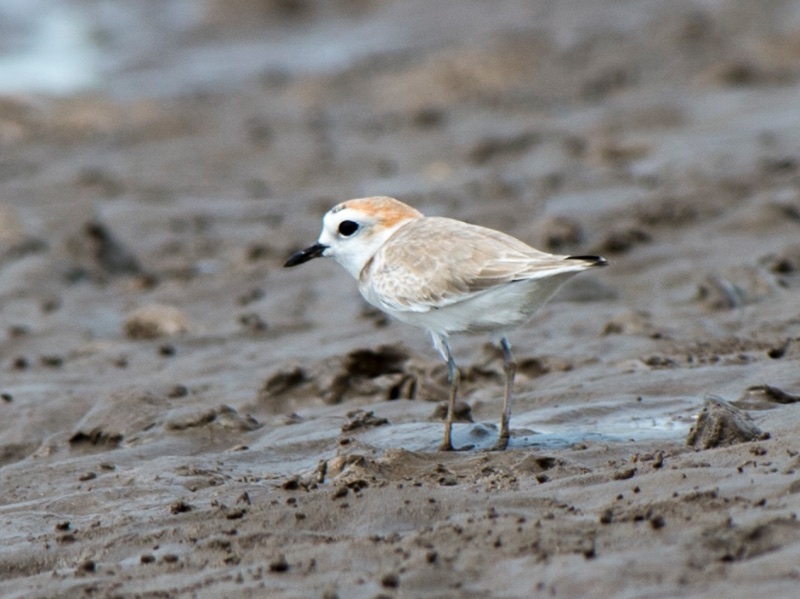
[(444, 275)]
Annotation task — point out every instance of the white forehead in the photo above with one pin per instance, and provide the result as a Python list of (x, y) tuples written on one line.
[(338, 214)]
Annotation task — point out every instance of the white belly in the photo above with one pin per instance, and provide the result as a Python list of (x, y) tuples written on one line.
[(498, 309)]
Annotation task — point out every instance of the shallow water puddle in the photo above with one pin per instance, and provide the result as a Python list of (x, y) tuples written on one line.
[(615, 427)]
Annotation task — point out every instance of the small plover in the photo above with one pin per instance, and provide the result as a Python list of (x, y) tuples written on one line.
[(445, 275)]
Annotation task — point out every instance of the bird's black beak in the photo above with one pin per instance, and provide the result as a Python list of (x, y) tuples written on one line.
[(315, 251)]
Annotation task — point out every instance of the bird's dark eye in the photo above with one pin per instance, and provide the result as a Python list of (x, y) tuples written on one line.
[(347, 228)]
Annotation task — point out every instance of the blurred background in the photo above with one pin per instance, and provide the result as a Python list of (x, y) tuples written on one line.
[(195, 144), (176, 151), (384, 94)]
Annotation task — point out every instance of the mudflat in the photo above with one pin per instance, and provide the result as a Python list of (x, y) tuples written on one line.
[(182, 417)]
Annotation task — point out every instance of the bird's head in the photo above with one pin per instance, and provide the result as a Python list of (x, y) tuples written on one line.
[(353, 231)]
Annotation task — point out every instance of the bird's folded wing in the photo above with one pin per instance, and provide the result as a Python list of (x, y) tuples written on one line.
[(434, 262)]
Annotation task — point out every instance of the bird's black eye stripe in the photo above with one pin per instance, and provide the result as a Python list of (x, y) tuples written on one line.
[(347, 228)]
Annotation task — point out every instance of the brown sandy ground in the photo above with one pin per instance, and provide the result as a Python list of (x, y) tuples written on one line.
[(180, 417)]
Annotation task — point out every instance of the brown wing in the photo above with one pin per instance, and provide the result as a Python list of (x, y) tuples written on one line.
[(433, 262)]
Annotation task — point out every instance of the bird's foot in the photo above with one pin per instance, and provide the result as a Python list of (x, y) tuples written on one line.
[(449, 447), (501, 445)]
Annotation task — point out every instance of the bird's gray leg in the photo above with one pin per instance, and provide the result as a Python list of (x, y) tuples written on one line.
[(455, 378), (510, 368)]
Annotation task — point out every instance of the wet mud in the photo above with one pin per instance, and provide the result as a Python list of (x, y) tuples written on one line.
[(180, 416)]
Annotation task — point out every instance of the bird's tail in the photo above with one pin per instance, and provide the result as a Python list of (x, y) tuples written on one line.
[(590, 261)]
